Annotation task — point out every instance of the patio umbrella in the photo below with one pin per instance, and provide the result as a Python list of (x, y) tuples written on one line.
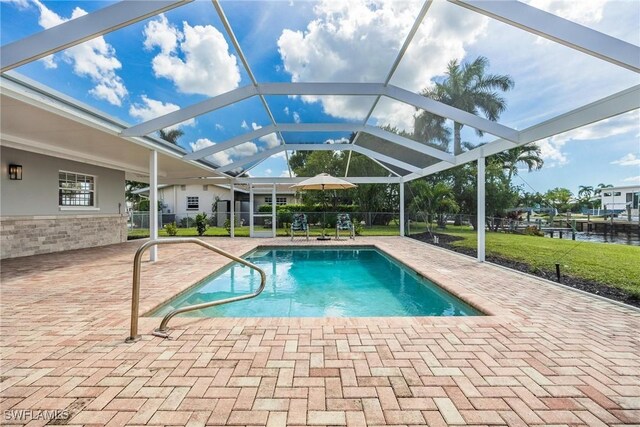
[(322, 182)]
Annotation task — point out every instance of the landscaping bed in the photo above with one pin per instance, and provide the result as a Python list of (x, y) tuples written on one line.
[(454, 243)]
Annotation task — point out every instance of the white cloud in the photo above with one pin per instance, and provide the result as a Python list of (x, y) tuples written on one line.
[(219, 126), (582, 12), (271, 140), (552, 148), (268, 172), (196, 59), (632, 179), (296, 117), (151, 108), (285, 173), (244, 125), (619, 125), (629, 160), (337, 141), (94, 58), (552, 153), (20, 4), (225, 157), (366, 35), (286, 110)]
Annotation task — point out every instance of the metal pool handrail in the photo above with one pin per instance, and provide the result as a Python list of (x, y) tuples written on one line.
[(135, 298)]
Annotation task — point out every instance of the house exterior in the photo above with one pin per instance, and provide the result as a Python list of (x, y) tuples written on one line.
[(187, 200), (63, 167), (621, 198)]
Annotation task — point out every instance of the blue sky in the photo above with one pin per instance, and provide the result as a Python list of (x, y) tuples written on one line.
[(185, 56)]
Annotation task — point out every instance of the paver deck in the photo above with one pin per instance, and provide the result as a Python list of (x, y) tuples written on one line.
[(544, 356)]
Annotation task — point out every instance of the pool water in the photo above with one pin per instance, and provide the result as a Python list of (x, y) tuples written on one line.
[(321, 283)]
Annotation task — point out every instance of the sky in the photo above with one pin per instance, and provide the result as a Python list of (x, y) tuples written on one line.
[(185, 56)]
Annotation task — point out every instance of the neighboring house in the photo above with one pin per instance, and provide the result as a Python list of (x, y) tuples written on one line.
[(179, 201), (621, 198)]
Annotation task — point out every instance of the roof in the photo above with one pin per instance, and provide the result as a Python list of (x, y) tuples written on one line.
[(241, 188), (29, 108)]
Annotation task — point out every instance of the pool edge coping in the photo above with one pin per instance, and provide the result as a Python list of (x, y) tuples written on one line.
[(488, 309)]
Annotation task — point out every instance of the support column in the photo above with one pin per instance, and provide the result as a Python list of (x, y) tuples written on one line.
[(273, 210), (153, 203), (250, 210), (232, 218), (402, 207), (481, 209)]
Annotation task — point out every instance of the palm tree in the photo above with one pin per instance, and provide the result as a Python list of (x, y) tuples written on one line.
[(170, 135), (435, 198), (601, 187), (529, 155), (585, 192), (431, 129), (468, 87)]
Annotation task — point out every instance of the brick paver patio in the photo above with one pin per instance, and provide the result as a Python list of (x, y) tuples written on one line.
[(544, 356)]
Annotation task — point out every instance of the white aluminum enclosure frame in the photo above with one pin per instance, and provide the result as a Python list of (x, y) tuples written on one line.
[(517, 14)]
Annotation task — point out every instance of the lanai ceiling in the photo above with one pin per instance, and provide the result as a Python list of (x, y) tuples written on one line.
[(368, 108)]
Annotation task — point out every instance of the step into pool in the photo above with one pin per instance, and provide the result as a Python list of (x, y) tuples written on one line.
[(319, 282)]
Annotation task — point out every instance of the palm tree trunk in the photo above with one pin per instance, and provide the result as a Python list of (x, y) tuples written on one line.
[(457, 139)]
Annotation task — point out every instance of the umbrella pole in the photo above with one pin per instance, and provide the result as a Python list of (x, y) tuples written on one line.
[(324, 216)]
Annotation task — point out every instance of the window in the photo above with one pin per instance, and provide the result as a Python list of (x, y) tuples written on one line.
[(279, 200), (76, 189), (607, 194), (617, 193), (193, 203)]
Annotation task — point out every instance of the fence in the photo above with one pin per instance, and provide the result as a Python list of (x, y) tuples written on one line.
[(383, 223)]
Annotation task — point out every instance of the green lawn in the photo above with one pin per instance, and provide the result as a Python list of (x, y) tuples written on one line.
[(615, 265), (376, 230)]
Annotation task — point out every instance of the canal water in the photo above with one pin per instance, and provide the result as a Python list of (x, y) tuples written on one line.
[(632, 239)]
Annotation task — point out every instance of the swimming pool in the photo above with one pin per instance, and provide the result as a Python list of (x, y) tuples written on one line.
[(319, 282)]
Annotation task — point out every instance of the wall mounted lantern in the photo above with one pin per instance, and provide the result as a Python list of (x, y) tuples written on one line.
[(15, 172)]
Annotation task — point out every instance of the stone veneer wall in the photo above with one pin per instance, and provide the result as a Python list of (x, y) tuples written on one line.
[(34, 235)]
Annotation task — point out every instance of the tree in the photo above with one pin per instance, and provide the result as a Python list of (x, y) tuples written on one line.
[(559, 198), (435, 198), (529, 155), (585, 193), (170, 135), (530, 200), (130, 196), (601, 187), (468, 88)]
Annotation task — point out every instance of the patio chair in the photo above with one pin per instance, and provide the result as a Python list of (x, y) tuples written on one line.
[(343, 222), (299, 223)]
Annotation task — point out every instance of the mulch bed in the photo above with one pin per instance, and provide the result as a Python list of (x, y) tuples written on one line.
[(446, 241)]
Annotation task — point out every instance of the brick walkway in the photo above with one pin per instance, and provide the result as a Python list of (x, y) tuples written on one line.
[(545, 355)]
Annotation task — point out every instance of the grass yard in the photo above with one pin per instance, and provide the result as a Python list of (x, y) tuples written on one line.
[(376, 230), (615, 265)]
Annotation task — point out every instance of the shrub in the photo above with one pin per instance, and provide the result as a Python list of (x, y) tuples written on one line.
[(143, 205), (532, 230), (171, 229), (187, 222), (201, 223), (227, 225), (357, 228)]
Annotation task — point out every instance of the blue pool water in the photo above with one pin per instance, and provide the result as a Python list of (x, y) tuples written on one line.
[(321, 283)]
